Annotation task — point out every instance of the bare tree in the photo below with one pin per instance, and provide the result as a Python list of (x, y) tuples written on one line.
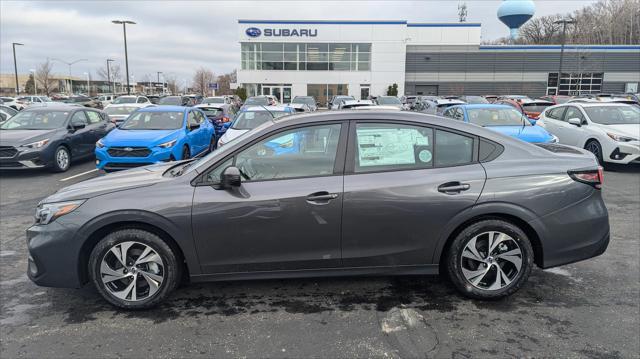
[(115, 73), (201, 80), (43, 76), (224, 83)]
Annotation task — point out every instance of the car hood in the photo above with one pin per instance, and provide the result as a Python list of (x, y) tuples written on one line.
[(119, 137), (232, 134), (113, 182), (21, 137), (626, 130), (533, 134)]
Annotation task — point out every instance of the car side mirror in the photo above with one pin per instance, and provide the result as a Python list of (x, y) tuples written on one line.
[(77, 125), (575, 122), (231, 178)]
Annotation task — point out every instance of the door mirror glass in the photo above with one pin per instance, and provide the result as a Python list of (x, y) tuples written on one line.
[(76, 125), (231, 178), (575, 121)]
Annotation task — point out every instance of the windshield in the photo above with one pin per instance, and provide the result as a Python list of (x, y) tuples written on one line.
[(475, 99), (388, 100), (170, 100), (306, 100), (614, 115), (214, 100), (120, 110), (252, 119), (167, 120), (535, 107), (211, 111), (257, 101), (36, 120), (78, 99), (496, 117), (124, 100)]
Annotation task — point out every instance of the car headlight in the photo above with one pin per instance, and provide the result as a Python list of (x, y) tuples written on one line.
[(99, 144), (48, 212), (36, 144), (168, 144), (620, 138)]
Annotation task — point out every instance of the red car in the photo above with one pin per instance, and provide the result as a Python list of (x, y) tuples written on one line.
[(556, 99), (531, 108)]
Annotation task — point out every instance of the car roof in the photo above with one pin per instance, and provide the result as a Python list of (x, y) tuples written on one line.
[(597, 104), (482, 106), (163, 108), (265, 108), (55, 106), (353, 102)]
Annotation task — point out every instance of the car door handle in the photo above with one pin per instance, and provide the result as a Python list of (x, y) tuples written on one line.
[(322, 196), (453, 187)]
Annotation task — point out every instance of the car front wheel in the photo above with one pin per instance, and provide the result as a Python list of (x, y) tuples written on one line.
[(594, 147), (61, 159), (134, 269), (489, 259)]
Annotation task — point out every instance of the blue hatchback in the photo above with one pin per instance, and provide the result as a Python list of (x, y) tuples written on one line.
[(155, 134), (501, 118)]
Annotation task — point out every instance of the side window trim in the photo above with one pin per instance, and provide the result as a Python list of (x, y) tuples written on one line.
[(351, 153)]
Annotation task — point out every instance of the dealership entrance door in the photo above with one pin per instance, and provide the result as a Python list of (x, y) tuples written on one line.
[(324, 92), (281, 92)]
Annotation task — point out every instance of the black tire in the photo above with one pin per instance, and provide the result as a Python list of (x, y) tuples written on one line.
[(455, 251), (58, 164), (186, 154), (594, 147), (171, 267), (213, 144)]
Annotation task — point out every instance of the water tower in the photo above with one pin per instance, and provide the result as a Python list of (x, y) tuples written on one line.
[(514, 13)]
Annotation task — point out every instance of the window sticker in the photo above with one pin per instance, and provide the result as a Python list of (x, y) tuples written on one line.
[(391, 146)]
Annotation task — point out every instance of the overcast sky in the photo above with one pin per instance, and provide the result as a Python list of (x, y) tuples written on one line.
[(177, 37)]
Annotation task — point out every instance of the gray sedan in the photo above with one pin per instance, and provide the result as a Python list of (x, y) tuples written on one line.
[(328, 194)]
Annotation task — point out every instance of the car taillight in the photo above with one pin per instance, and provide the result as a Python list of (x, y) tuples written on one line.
[(593, 178), (225, 119)]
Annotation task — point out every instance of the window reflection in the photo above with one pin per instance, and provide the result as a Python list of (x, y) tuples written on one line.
[(306, 56)]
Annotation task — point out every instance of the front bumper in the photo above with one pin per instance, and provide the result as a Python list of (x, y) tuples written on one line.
[(625, 153), (53, 255), (106, 162), (26, 158)]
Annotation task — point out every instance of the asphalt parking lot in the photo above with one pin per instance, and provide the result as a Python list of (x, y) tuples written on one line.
[(587, 309)]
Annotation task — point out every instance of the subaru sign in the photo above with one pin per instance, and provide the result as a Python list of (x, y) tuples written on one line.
[(253, 32)]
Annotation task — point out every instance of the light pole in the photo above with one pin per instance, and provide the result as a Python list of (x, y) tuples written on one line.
[(88, 85), (564, 23), (109, 76), (126, 55), (35, 83), (15, 66), (70, 88), (159, 72)]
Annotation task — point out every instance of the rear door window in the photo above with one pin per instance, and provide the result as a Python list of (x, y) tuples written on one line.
[(453, 149)]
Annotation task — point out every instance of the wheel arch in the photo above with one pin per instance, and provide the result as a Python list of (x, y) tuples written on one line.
[(513, 214), (100, 227)]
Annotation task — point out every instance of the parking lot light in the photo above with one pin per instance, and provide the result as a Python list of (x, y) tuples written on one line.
[(15, 65), (126, 55)]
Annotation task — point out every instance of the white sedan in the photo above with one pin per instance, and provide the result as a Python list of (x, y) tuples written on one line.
[(120, 112), (611, 131)]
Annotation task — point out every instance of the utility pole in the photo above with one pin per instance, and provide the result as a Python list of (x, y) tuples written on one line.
[(563, 39), (159, 72), (15, 66), (126, 55), (109, 75)]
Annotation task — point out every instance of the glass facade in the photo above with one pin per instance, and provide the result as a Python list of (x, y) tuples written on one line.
[(574, 84), (306, 56)]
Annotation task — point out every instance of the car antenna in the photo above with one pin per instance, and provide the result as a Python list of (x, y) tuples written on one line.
[(271, 113)]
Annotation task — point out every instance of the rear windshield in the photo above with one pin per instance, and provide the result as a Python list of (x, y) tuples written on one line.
[(614, 115), (251, 119), (171, 100), (535, 107), (306, 100), (475, 99), (211, 111), (214, 100), (388, 100)]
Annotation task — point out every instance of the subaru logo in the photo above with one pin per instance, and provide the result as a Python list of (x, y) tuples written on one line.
[(253, 32), (128, 149)]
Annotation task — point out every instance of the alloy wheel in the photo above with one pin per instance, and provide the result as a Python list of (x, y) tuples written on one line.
[(62, 159), (491, 260), (132, 271), (593, 148)]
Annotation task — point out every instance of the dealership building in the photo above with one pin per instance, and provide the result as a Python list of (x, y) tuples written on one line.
[(290, 58)]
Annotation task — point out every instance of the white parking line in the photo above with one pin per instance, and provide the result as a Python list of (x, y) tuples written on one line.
[(78, 175)]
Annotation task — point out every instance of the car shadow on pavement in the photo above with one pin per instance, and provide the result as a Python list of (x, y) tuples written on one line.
[(309, 296)]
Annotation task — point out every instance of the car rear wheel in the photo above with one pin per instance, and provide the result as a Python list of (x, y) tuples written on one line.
[(134, 269), (213, 144), (185, 153), (594, 147), (61, 159), (490, 259)]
